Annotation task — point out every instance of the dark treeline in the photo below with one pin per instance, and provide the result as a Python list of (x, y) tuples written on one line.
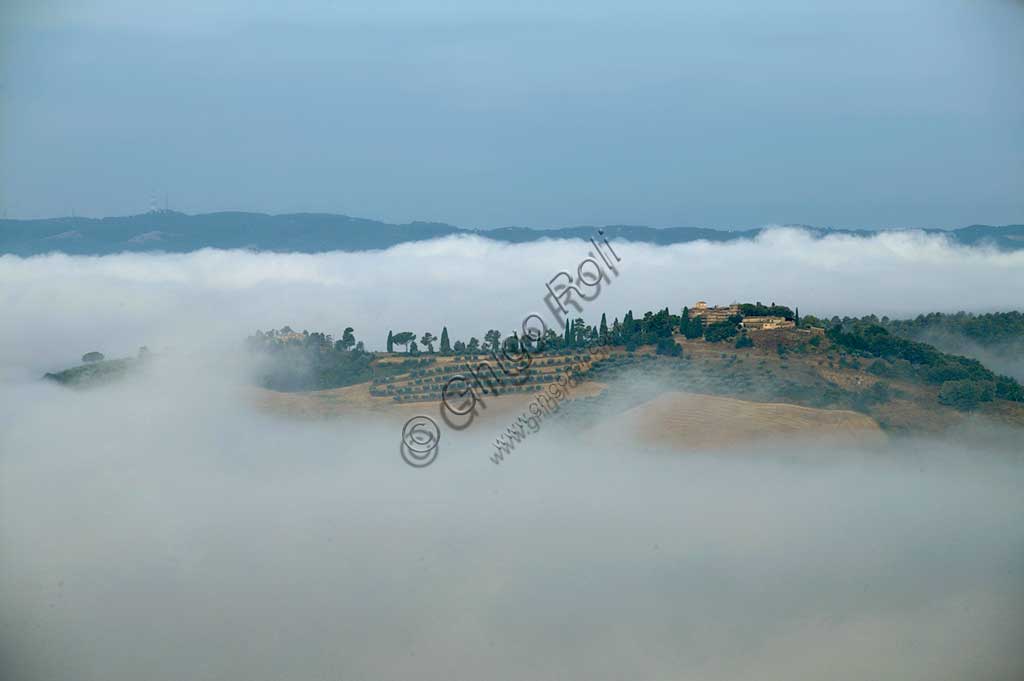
[(964, 382), (293, 361), (986, 330), (996, 339), (653, 328)]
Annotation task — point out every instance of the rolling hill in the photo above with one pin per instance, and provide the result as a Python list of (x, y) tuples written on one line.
[(174, 232)]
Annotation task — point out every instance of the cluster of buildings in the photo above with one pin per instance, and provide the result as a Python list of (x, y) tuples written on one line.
[(712, 315)]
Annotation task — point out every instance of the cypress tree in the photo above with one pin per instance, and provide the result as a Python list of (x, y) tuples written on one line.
[(446, 347), (797, 318), (567, 335), (391, 342), (604, 326)]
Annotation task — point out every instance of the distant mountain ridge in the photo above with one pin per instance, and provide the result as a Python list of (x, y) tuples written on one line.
[(174, 232)]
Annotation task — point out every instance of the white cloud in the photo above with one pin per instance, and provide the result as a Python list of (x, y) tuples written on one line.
[(163, 528), (62, 306)]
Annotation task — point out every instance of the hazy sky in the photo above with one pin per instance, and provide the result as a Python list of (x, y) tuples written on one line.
[(480, 113)]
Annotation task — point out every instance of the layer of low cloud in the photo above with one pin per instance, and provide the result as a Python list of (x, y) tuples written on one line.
[(57, 307), (165, 528), (162, 529)]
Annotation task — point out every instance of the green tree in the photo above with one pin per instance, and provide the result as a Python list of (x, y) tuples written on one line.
[(92, 357), (348, 339), (391, 342), (666, 346), (404, 338), (657, 325), (759, 310), (720, 331), (492, 341), (603, 329), (428, 339), (446, 348), (811, 320), (1008, 388), (694, 328), (966, 394), (577, 332)]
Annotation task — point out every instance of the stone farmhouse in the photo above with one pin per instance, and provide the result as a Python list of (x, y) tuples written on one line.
[(767, 323)]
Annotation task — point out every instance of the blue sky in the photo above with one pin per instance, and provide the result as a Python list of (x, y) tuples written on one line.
[(482, 114)]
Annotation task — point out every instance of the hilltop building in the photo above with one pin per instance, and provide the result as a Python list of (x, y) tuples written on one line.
[(765, 323), (713, 314)]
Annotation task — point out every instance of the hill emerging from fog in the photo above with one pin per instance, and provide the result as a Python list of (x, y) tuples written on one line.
[(171, 231), (853, 385)]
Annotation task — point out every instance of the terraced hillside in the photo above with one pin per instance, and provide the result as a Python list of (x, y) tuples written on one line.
[(496, 375)]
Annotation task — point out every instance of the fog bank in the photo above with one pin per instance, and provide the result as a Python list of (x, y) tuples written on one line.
[(164, 528), (60, 306)]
